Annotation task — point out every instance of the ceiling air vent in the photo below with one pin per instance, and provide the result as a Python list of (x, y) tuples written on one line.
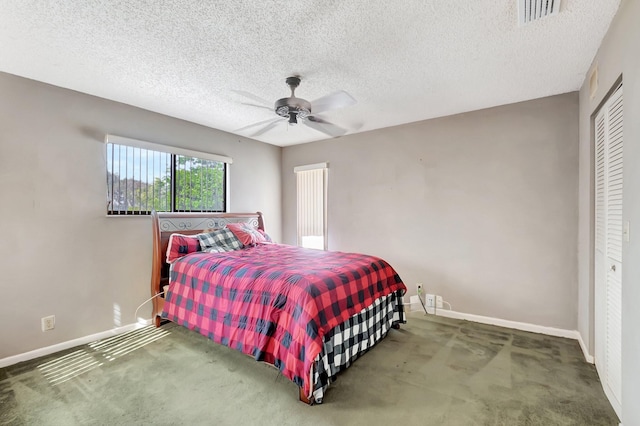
[(531, 10)]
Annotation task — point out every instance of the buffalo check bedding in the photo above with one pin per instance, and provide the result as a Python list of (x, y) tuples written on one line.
[(347, 341), (277, 303)]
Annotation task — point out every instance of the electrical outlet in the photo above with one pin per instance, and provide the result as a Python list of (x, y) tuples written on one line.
[(430, 303), (419, 289), (48, 323), (430, 300), (438, 302)]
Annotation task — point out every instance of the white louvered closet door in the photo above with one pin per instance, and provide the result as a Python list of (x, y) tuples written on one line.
[(608, 246)]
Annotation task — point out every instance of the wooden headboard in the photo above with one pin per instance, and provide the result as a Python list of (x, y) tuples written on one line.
[(165, 224)]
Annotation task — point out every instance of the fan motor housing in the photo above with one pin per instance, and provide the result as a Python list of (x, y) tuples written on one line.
[(286, 107)]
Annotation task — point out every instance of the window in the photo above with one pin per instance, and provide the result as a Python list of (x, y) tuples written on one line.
[(311, 184), (142, 176)]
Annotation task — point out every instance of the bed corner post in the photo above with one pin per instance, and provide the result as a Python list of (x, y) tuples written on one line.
[(303, 397), (260, 221), (156, 268)]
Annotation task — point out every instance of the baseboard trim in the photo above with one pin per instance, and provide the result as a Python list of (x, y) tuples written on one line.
[(587, 356), (550, 331), (11, 360)]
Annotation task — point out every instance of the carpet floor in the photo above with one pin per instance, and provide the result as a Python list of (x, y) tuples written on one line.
[(433, 371)]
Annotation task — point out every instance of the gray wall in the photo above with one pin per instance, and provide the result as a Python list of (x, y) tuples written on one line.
[(60, 255), (480, 207), (618, 55)]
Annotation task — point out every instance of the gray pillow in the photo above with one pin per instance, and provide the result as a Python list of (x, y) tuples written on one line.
[(220, 240)]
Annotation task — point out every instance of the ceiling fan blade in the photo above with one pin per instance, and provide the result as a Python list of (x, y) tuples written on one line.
[(258, 99), (335, 100), (324, 126), (257, 106), (269, 126), (256, 124)]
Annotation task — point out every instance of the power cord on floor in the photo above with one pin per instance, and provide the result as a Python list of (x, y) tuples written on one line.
[(435, 308), (135, 316), (423, 305)]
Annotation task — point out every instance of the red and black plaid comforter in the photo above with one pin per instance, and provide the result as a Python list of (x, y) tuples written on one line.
[(275, 302)]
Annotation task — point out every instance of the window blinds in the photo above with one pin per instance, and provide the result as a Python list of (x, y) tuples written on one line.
[(311, 205), (144, 176)]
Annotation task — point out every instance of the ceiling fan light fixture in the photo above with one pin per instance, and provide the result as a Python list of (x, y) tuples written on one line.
[(282, 111), (304, 113)]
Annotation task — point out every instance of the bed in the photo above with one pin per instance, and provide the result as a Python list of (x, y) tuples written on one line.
[(309, 313)]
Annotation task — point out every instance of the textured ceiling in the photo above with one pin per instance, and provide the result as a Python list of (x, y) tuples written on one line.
[(403, 61)]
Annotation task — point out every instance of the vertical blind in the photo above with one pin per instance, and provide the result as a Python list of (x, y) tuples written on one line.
[(311, 205), (137, 179)]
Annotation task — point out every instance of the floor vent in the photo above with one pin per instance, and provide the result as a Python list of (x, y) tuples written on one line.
[(531, 10)]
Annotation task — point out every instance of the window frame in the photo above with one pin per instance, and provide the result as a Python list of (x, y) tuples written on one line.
[(173, 152), (324, 167)]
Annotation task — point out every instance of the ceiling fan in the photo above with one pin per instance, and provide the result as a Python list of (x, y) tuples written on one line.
[(297, 110)]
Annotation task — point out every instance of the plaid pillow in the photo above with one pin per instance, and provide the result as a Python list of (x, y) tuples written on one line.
[(222, 240), (181, 245), (247, 234)]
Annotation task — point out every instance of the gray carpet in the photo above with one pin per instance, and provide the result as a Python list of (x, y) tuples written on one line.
[(433, 371)]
